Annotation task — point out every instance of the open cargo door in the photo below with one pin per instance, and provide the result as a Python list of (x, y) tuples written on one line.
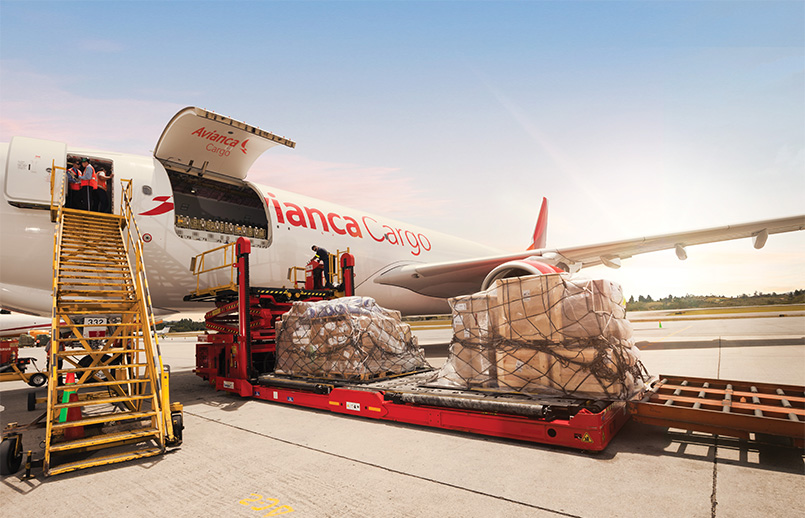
[(199, 142), (207, 157)]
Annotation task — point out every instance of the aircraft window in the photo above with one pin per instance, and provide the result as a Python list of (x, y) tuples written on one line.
[(147, 190), (210, 210)]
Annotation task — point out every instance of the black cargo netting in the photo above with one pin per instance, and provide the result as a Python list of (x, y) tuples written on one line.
[(351, 338), (544, 334)]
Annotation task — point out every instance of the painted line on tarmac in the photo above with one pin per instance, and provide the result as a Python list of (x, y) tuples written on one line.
[(664, 338), (384, 468)]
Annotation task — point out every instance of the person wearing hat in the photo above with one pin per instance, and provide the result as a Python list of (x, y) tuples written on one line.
[(89, 181), (100, 196)]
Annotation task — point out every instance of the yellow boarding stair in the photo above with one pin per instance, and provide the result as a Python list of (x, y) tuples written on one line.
[(107, 387)]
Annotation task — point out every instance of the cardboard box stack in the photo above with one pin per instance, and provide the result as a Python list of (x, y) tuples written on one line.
[(548, 334), (351, 338)]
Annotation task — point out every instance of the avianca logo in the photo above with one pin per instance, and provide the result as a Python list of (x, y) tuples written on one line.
[(307, 217), (217, 138), (164, 207)]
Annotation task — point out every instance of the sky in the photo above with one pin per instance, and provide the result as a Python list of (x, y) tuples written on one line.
[(632, 118)]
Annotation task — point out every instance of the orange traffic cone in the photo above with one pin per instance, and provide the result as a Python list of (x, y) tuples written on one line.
[(72, 413)]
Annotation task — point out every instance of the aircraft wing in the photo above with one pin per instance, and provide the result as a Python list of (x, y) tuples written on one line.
[(452, 278)]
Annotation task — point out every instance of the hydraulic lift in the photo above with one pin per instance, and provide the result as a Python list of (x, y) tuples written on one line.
[(238, 357)]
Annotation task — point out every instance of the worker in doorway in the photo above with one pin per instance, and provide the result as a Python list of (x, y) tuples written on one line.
[(73, 186), (100, 195), (324, 257), (89, 182)]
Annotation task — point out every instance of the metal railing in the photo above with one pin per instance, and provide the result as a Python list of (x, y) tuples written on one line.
[(199, 266)]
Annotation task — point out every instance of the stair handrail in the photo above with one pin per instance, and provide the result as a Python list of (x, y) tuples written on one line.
[(141, 283), (57, 216), (131, 222), (229, 261)]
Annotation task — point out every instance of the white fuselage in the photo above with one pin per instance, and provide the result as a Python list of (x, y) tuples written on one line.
[(295, 222)]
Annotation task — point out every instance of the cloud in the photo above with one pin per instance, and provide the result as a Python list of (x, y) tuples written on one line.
[(37, 105), (377, 189)]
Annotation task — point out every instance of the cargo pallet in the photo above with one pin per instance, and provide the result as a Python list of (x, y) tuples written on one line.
[(236, 357)]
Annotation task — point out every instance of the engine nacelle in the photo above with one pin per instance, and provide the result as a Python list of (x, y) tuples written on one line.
[(520, 268)]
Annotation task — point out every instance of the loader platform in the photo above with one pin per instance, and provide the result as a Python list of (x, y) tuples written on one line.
[(238, 354)]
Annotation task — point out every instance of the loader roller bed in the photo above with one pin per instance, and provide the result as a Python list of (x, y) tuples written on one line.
[(585, 425), (725, 407)]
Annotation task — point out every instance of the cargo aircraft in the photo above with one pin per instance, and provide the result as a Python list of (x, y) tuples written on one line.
[(12, 325), (192, 195)]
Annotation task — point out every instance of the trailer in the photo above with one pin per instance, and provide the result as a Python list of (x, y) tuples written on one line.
[(238, 354)]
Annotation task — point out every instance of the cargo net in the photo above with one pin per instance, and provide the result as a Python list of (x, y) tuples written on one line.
[(351, 339), (544, 334)]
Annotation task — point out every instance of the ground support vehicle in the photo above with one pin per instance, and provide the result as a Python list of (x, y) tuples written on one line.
[(13, 368), (237, 358)]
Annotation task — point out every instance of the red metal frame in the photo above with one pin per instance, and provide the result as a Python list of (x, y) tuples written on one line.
[(245, 327), (585, 430)]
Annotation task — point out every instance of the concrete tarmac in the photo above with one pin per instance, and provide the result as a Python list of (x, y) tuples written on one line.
[(247, 458)]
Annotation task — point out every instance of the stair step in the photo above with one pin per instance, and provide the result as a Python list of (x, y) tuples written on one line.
[(97, 266), (102, 367), (101, 401), (92, 254), (104, 418), (106, 438), (122, 283), (95, 247), (90, 231), (98, 306), (96, 384), (84, 352), (91, 293), (93, 312), (127, 308), (102, 461), (95, 278)]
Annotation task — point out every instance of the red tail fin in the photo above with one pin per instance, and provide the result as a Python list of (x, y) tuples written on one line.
[(541, 229)]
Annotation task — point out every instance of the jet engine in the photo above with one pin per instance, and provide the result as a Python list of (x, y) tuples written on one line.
[(520, 268)]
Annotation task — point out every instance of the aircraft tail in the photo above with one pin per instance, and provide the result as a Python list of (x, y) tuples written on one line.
[(541, 229)]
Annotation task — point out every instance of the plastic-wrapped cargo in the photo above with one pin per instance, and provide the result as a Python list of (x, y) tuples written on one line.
[(548, 334), (350, 338)]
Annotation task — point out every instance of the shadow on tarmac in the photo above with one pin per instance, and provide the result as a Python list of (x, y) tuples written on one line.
[(671, 442)]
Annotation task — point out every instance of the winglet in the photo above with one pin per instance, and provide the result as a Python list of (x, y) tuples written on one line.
[(541, 229)]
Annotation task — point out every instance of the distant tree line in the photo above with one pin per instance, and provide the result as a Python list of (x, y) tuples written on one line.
[(182, 326), (714, 301)]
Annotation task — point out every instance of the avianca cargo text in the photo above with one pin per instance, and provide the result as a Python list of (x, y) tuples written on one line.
[(292, 214)]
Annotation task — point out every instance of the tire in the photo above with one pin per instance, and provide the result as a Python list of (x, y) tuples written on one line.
[(97, 376), (37, 379), (31, 401), (10, 457), (177, 420)]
